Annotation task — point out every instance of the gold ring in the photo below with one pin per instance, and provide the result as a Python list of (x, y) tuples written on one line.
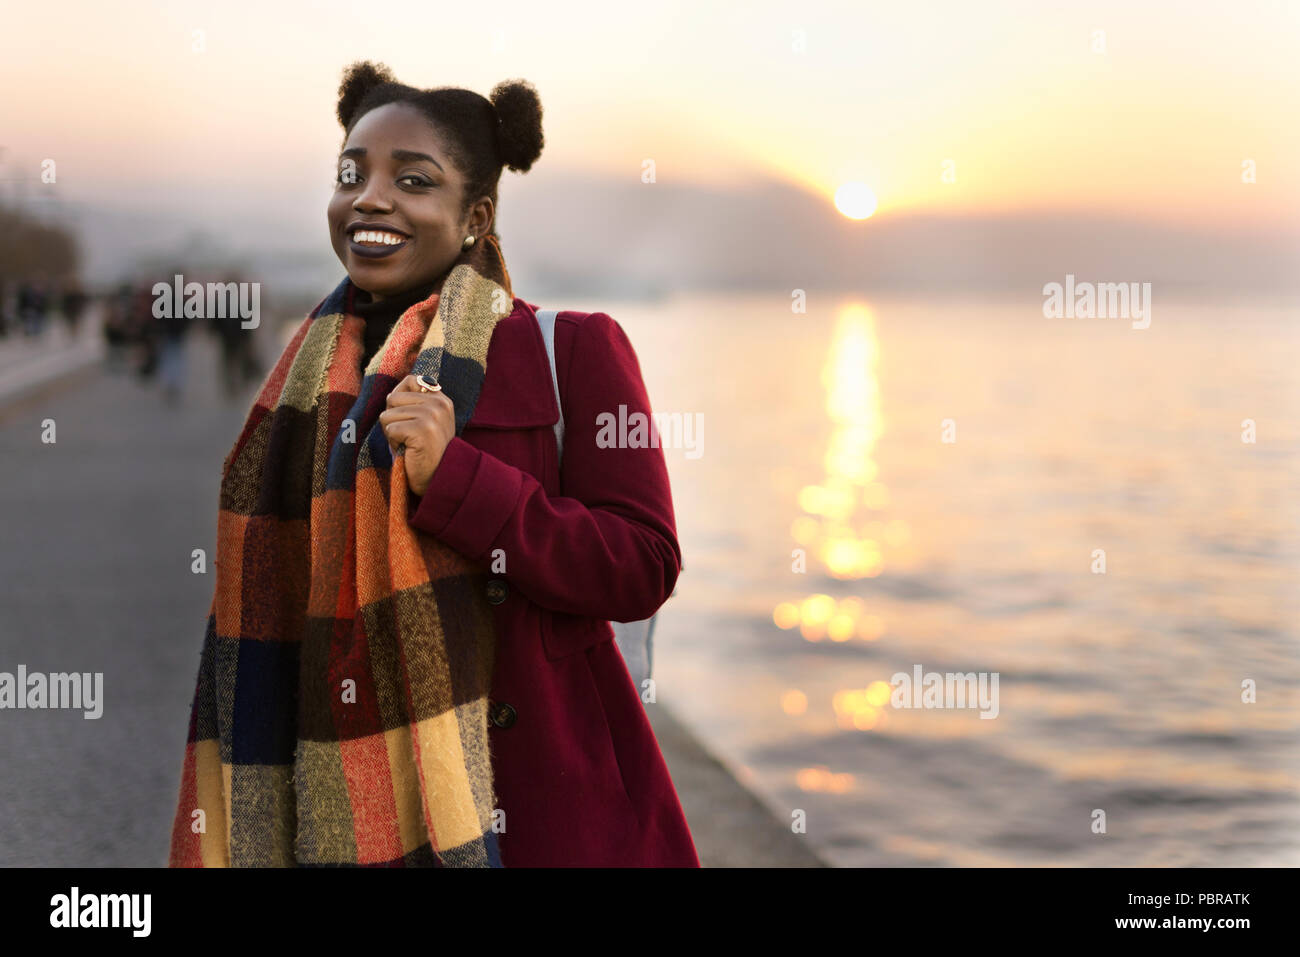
[(427, 384)]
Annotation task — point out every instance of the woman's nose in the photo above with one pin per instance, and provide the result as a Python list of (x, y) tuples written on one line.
[(373, 195)]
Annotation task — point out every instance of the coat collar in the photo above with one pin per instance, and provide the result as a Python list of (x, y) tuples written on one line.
[(516, 392)]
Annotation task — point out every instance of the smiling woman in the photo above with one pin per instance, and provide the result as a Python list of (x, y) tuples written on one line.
[(418, 173), (408, 660)]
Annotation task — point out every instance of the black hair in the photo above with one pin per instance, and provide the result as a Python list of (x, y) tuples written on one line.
[(482, 136)]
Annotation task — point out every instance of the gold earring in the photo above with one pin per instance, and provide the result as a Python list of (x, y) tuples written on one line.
[(469, 241)]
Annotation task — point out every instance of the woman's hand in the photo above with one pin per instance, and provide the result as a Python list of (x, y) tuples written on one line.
[(425, 422)]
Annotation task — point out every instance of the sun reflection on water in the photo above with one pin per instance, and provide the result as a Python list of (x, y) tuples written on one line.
[(842, 529)]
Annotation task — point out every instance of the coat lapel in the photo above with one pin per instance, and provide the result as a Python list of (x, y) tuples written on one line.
[(516, 392)]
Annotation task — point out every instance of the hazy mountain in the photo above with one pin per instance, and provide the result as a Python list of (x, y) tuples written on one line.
[(595, 235)]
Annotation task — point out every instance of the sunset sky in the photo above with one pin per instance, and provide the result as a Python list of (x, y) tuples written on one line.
[(1014, 94)]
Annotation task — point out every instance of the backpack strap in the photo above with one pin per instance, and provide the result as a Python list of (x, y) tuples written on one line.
[(546, 319), (633, 638)]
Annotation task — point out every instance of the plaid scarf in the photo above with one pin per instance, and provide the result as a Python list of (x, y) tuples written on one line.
[(340, 712)]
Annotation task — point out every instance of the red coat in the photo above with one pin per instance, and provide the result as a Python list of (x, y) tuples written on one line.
[(576, 766)]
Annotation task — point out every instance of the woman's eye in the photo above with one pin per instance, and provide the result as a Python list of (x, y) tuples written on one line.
[(349, 177)]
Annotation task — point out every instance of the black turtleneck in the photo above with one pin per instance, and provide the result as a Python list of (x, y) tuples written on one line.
[(382, 315)]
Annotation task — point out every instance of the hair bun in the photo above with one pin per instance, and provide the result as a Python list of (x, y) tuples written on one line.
[(519, 112), (358, 80)]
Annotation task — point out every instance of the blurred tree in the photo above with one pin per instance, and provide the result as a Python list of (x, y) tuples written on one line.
[(29, 247)]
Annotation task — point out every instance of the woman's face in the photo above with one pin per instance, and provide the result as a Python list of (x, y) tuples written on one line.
[(395, 216)]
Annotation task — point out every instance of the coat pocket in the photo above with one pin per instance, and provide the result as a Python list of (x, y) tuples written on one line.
[(564, 635)]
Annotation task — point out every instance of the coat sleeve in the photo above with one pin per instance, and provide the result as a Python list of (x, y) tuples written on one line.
[(608, 547)]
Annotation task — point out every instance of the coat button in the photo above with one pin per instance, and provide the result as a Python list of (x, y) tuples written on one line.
[(496, 591), (503, 715)]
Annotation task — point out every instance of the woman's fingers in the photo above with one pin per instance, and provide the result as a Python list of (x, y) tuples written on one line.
[(411, 383), (396, 398), (407, 410), (416, 416), (408, 384), (398, 433)]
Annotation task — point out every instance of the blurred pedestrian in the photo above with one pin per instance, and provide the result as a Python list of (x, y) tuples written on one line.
[(143, 330), (171, 334), (72, 306), (32, 302), (238, 364), (4, 309), (117, 313)]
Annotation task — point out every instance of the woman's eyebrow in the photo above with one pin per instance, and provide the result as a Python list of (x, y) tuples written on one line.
[(405, 156), (411, 156)]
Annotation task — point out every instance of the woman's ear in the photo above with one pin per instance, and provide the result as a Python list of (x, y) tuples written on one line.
[(481, 215)]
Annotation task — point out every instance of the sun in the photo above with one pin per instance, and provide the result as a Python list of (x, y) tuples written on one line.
[(855, 200)]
